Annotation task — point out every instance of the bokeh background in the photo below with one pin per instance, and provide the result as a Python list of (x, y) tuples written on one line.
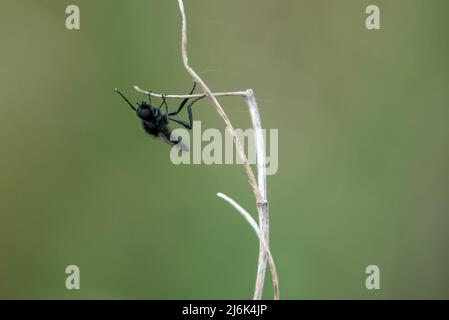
[(363, 125)]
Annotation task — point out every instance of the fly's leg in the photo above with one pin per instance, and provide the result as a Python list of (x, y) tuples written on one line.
[(183, 123), (149, 98), (164, 102), (189, 108), (183, 103)]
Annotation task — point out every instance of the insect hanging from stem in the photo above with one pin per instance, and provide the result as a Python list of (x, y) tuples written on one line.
[(155, 122)]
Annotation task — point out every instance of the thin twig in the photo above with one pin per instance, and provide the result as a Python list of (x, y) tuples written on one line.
[(254, 225), (183, 96)]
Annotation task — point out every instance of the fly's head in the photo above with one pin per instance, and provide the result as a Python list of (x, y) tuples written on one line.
[(147, 112)]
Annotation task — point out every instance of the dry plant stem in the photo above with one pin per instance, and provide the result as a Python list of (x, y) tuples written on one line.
[(262, 206), (259, 188), (183, 96), (216, 104), (259, 234)]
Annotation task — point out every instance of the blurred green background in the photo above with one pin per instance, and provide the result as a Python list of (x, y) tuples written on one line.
[(363, 125)]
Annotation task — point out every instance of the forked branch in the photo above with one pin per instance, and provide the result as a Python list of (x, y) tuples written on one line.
[(259, 187)]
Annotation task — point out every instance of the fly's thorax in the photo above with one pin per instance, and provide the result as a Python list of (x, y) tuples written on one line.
[(144, 111), (147, 112)]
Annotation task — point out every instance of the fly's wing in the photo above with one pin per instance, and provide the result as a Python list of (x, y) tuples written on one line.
[(167, 136)]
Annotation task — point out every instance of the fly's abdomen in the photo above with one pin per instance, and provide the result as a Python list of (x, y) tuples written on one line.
[(168, 136), (150, 128)]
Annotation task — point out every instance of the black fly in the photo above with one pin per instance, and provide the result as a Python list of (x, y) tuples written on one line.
[(155, 122)]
